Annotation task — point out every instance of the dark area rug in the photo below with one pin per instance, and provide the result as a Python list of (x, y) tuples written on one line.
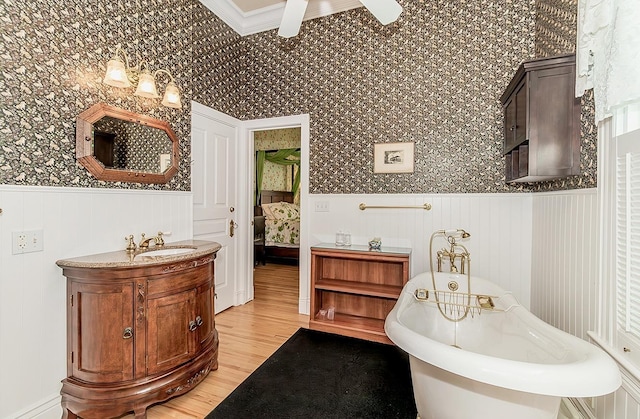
[(322, 375)]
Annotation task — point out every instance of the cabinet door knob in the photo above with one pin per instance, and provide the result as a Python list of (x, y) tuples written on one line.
[(199, 321), (192, 326), (513, 128), (128, 333)]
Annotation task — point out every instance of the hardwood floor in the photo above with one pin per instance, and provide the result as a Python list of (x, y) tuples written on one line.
[(249, 334)]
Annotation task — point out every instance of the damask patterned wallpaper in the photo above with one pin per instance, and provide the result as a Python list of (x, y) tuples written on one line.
[(54, 56), (556, 27), (219, 63), (433, 78)]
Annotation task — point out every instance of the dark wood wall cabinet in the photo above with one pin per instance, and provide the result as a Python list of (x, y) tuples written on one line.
[(542, 121), (137, 335), (354, 288)]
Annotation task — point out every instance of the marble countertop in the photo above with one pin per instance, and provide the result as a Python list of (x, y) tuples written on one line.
[(124, 259)]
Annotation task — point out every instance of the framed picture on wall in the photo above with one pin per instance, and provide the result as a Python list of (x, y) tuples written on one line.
[(393, 158)]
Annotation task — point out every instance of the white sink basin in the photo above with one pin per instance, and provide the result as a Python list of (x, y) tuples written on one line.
[(166, 252)]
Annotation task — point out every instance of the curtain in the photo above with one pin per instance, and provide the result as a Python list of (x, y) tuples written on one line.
[(608, 53), (259, 172), (287, 157)]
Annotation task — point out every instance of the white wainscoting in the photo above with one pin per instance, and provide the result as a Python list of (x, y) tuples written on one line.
[(622, 404), (564, 266), (564, 280), (75, 222), (500, 227), (543, 247)]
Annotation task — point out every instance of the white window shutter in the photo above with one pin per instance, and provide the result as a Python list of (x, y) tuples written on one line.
[(628, 239)]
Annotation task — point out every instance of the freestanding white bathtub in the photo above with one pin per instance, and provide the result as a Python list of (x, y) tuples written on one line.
[(507, 363)]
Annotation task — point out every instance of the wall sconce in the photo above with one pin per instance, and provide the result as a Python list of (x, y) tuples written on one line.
[(120, 74)]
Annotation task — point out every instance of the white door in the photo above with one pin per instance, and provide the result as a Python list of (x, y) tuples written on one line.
[(213, 184)]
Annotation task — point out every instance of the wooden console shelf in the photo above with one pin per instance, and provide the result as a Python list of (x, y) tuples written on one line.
[(361, 285)]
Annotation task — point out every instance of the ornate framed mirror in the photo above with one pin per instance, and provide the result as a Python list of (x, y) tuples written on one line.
[(117, 145)]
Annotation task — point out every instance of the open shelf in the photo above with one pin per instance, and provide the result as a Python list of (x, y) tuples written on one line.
[(349, 325), (362, 286)]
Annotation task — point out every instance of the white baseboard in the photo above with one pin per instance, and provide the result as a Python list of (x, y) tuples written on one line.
[(47, 408), (304, 305)]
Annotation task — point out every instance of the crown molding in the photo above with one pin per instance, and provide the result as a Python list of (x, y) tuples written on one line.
[(269, 18)]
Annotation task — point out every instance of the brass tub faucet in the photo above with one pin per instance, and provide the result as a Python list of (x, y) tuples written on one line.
[(451, 235)]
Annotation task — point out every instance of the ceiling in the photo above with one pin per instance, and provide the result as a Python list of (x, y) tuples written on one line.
[(251, 5), (247, 17)]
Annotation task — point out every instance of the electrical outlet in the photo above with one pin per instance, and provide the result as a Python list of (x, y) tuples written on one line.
[(27, 241), (19, 242), (322, 206)]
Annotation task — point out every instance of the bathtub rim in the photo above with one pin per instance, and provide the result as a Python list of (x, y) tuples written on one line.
[(593, 374)]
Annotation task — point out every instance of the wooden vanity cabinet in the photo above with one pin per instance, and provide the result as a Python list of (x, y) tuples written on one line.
[(542, 121), (361, 285), (96, 355), (171, 340), (168, 338), (137, 335)]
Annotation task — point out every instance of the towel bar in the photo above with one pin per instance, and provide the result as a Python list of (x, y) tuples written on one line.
[(425, 206)]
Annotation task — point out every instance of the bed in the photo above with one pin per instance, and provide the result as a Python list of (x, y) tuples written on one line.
[(282, 226)]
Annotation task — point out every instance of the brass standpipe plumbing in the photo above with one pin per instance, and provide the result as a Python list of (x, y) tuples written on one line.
[(446, 308), (454, 304)]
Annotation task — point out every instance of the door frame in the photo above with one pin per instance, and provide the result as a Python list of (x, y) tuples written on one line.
[(245, 189)]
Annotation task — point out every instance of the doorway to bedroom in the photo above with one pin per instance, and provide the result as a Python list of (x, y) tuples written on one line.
[(276, 190)]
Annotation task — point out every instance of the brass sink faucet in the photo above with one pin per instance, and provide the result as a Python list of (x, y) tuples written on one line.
[(158, 241)]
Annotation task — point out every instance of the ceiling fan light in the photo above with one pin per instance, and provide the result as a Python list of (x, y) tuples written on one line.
[(387, 11), (147, 86), (116, 74), (171, 97)]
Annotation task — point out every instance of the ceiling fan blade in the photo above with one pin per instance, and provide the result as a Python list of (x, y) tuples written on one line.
[(386, 11), (292, 18)]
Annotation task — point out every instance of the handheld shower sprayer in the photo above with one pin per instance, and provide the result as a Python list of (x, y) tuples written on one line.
[(455, 233)]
